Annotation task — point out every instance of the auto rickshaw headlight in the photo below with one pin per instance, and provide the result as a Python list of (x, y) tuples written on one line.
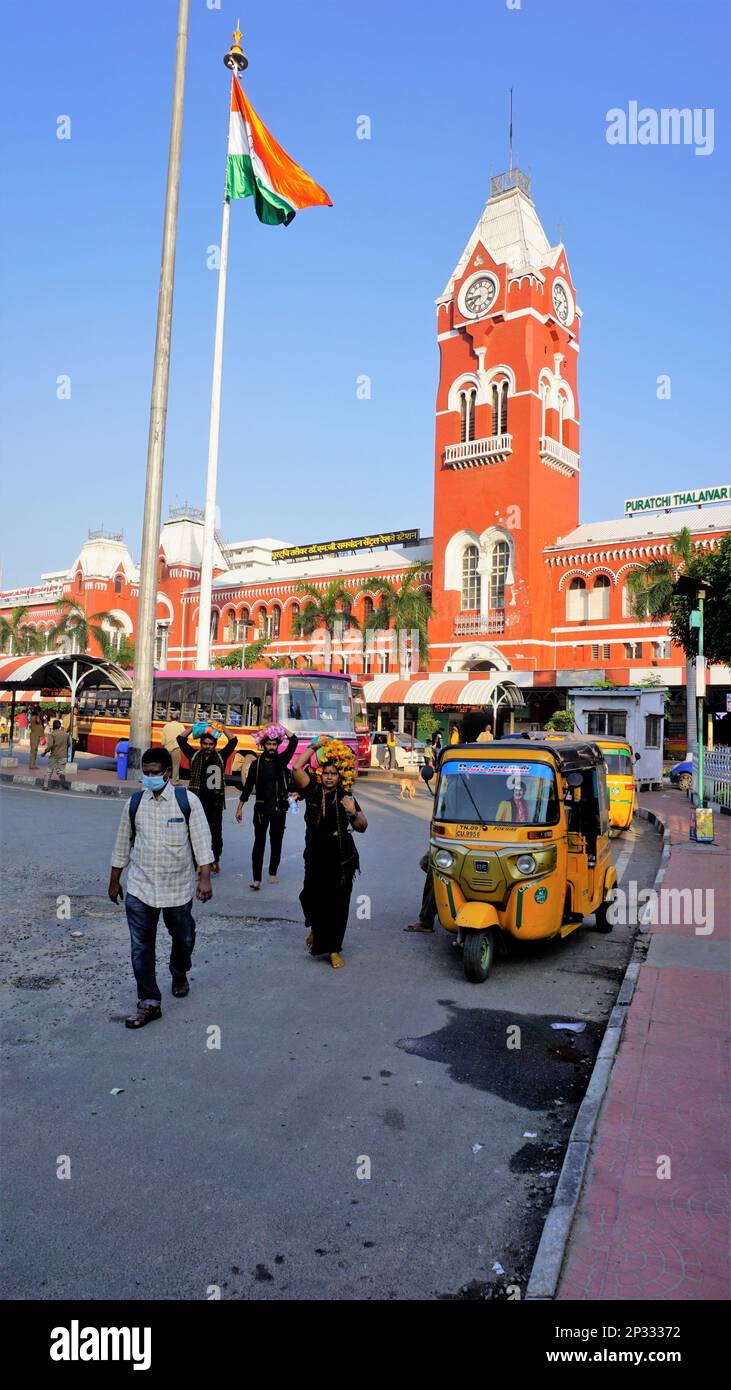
[(443, 859), (525, 864)]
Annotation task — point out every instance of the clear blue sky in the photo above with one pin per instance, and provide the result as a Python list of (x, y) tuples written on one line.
[(347, 290)]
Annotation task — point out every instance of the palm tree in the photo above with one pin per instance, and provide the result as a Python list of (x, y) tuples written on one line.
[(324, 607), (408, 608), (74, 626), (13, 630), (651, 591)]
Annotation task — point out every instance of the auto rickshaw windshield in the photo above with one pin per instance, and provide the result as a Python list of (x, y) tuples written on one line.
[(491, 792), (618, 761)]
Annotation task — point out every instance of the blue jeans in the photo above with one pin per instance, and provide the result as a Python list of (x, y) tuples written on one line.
[(143, 920)]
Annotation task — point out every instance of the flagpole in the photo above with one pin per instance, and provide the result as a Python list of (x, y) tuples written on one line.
[(141, 711), (236, 61), (209, 523)]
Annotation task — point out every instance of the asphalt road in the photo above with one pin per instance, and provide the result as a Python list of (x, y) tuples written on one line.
[(235, 1168)]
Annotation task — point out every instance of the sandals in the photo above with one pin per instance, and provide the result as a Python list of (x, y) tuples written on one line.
[(419, 929), (255, 886)]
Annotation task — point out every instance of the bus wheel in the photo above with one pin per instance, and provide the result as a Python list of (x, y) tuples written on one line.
[(478, 949)]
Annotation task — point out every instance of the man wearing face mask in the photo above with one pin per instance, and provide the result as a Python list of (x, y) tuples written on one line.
[(163, 834)]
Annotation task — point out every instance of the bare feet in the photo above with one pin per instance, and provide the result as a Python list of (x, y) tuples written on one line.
[(273, 878), (336, 960), (309, 941)]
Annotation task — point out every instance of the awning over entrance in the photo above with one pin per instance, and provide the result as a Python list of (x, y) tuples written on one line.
[(443, 689), (55, 671)]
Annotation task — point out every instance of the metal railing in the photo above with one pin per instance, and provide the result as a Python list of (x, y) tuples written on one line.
[(476, 624), (716, 776)]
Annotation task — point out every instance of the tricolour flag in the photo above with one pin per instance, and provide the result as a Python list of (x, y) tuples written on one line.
[(258, 167)]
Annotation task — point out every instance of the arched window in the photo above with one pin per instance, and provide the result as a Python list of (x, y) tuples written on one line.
[(470, 577), (261, 624), (214, 626), (367, 607), (576, 601), (242, 624), (628, 599), (117, 583), (499, 561), (275, 621), (78, 582), (467, 403), (163, 569), (499, 407), (599, 597), (294, 618)]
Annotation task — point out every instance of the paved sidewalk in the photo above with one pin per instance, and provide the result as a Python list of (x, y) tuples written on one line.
[(93, 774), (637, 1234)]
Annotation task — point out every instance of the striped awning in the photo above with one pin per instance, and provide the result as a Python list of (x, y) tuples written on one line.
[(53, 671), (444, 689)]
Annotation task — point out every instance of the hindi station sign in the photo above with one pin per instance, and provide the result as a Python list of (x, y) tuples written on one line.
[(320, 549)]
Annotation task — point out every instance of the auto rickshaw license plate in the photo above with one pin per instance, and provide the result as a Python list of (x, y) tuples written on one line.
[(482, 866)]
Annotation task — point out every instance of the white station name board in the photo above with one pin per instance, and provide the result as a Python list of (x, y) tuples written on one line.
[(667, 500)]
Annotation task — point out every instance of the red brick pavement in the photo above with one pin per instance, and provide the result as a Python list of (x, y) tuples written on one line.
[(637, 1235)]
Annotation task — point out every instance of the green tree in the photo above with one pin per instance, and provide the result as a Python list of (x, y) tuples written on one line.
[(427, 723), (561, 721), (121, 650), (252, 657), (405, 607), (324, 607), (651, 595), (75, 628), (16, 635), (714, 567)]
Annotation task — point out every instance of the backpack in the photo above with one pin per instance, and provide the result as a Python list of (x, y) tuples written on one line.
[(181, 796)]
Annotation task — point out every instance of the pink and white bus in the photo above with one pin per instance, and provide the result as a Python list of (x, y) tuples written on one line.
[(307, 702)]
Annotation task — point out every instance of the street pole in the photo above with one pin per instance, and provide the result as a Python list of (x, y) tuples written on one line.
[(700, 699), (141, 711), (209, 521), (236, 62)]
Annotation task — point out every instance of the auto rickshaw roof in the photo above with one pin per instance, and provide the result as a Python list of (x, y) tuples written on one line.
[(570, 751)]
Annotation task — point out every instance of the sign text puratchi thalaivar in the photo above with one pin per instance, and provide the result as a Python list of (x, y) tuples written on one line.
[(677, 499), (313, 552)]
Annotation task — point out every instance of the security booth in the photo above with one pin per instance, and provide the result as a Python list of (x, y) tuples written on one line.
[(631, 712)]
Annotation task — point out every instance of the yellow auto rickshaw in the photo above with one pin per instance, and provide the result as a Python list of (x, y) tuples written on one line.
[(519, 842), (620, 760)]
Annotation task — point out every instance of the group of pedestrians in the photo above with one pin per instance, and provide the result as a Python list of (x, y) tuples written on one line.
[(171, 840)]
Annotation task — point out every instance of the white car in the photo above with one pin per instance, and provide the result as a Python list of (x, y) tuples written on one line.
[(409, 752)]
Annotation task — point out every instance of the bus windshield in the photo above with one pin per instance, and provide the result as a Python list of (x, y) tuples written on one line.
[(489, 792), (315, 704)]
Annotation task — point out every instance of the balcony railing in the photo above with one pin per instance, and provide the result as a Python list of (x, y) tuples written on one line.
[(557, 456), (475, 624), (475, 453)]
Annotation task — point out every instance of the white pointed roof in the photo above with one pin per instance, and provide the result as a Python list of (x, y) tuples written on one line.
[(511, 230)]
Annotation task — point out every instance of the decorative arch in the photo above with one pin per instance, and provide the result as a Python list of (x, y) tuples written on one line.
[(472, 655), (572, 574)]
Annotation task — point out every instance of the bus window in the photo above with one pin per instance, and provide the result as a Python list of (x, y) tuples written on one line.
[(220, 701), (189, 697), (160, 701), (175, 690), (251, 700), (205, 695)]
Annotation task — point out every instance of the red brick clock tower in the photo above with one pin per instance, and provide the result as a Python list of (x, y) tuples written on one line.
[(507, 438)]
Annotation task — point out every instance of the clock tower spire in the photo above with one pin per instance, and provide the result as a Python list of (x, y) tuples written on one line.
[(507, 435)]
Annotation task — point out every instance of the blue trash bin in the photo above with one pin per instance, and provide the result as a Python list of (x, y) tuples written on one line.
[(122, 752)]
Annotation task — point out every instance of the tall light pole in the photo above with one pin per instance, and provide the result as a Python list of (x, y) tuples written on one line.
[(141, 712)]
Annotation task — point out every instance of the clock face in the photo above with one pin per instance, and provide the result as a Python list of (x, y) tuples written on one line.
[(480, 294), (561, 302)]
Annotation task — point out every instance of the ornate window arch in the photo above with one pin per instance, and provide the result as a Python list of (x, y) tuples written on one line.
[(471, 578), (577, 600), (599, 597)]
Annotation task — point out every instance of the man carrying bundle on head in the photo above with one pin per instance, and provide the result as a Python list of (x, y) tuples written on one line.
[(268, 781), (207, 768)]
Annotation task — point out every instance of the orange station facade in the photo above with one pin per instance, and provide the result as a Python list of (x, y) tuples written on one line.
[(522, 590)]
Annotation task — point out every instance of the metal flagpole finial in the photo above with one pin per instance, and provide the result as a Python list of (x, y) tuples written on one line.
[(235, 58)]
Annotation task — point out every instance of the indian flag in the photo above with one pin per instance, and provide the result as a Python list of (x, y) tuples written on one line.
[(258, 167)]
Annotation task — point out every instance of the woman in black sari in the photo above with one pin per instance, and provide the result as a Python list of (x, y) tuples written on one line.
[(331, 858)]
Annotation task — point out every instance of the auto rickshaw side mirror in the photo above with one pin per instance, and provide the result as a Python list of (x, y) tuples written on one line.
[(574, 779), (637, 757)]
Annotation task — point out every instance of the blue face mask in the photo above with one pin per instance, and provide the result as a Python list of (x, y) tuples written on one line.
[(153, 783)]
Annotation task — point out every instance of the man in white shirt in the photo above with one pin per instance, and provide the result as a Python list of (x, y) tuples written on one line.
[(162, 851)]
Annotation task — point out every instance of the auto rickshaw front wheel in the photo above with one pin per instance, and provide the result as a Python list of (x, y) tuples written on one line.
[(478, 953)]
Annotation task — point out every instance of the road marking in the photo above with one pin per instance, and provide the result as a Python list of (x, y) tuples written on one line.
[(622, 862)]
